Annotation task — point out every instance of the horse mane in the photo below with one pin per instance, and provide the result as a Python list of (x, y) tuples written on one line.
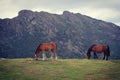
[(90, 49), (38, 49)]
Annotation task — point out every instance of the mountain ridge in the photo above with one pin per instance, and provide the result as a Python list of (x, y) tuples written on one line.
[(73, 33)]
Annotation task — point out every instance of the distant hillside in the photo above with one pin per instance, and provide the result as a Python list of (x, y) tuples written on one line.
[(74, 33)]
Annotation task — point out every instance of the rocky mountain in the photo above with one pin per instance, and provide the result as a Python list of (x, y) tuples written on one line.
[(74, 33)]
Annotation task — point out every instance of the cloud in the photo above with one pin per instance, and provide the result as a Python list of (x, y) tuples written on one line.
[(101, 13), (107, 10), (7, 9), (117, 23)]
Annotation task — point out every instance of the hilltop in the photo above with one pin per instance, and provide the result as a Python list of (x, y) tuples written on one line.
[(74, 33)]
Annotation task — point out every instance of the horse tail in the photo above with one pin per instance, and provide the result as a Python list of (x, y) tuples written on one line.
[(56, 45), (108, 50)]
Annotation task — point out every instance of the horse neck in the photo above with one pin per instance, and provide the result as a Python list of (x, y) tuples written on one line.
[(90, 49), (37, 50)]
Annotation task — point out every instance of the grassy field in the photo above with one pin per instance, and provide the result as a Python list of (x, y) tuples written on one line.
[(61, 69)]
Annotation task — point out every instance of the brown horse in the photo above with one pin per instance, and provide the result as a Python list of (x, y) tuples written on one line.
[(99, 48), (46, 47)]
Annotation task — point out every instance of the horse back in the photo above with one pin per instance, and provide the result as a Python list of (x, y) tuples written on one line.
[(47, 46), (99, 48), (53, 45)]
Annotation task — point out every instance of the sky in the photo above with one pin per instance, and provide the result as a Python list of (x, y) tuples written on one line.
[(107, 10)]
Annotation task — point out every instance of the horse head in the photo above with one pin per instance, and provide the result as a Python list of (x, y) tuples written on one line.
[(88, 55)]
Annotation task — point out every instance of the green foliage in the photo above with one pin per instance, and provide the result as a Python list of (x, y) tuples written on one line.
[(61, 69)]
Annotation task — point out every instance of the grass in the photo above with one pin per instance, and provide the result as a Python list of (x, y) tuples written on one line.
[(61, 69)]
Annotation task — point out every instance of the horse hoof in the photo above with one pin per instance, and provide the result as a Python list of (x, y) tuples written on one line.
[(36, 59)]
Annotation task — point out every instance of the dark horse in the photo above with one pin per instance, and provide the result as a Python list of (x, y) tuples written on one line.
[(46, 47), (99, 48)]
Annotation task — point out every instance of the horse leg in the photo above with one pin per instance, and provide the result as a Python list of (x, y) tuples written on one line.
[(104, 56), (56, 56), (95, 56), (107, 56), (51, 55), (43, 56), (54, 52)]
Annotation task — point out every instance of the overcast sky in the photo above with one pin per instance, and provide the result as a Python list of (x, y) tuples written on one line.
[(107, 10)]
